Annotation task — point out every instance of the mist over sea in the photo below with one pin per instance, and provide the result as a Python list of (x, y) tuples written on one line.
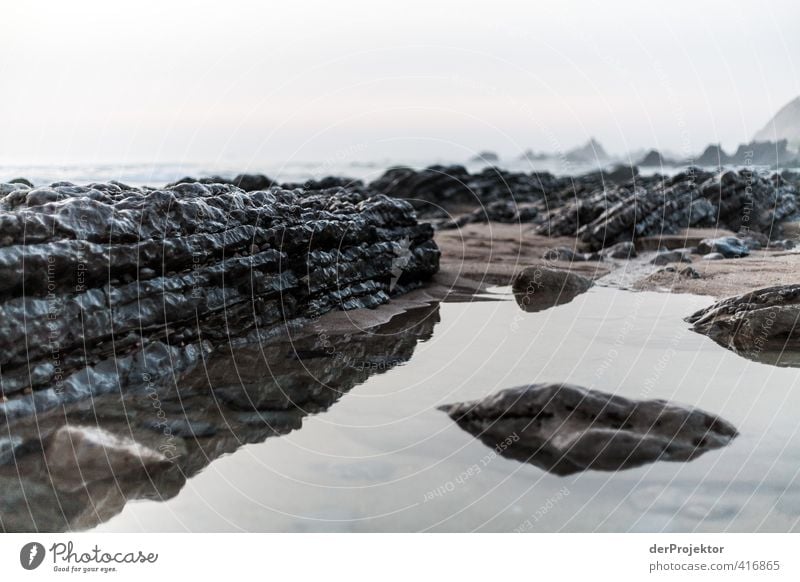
[(159, 174)]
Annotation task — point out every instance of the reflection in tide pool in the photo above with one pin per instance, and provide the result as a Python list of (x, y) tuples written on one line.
[(369, 451), (384, 459)]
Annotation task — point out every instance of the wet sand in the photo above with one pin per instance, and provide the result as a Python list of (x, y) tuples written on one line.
[(490, 254)]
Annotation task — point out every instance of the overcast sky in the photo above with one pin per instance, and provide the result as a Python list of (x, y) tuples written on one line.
[(101, 81)]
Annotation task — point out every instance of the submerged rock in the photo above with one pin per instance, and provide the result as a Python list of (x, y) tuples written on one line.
[(566, 429), (763, 325), (538, 288)]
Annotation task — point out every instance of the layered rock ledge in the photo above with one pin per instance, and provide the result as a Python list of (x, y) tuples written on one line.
[(108, 287), (763, 325), (566, 429)]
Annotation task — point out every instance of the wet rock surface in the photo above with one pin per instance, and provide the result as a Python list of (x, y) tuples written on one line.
[(106, 287), (730, 247), (566, 429), (439, 188), (599, 209), (538, 288), (147, 443), (763, 325)]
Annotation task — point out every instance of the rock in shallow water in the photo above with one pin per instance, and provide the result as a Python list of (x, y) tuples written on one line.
[(538, 288), (566, 429), (763, 325)]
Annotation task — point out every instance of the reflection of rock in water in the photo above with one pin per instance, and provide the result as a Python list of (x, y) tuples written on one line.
[(538, 288), (145, 445), (763, 325), (566, 429)]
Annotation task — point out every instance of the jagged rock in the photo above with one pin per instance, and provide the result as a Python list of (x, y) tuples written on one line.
[(713, 156), (590, 153), (623, 250), (674, 256), (106, 285), (538, 288), (453, 187), (730, 247), (656, 206), (654, 159), (566, 429), (756, 325), (247, 182)]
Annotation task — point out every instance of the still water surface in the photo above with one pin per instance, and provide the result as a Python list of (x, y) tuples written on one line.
[(383, 458)]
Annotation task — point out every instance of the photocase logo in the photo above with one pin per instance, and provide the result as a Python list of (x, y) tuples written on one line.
[(400, 261), (31, 555)]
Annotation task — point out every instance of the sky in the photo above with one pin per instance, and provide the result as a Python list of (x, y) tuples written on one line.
[(97, 81)]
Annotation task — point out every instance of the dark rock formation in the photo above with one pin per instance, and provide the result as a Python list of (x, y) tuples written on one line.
[(674, 256), (453, 187), (538, 288), (247, 182), (653, 159), (107, 287), (763, 325), (737, 201), (589, 153), (773, 154), (713, 156), (567, 429), (146, 444), (730, 247), (623, 250)]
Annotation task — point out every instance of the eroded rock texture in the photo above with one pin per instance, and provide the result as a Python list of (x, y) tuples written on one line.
[(566, 429), (76, 467), (763, 325), (106, 287), (450, 187), (599, 209)]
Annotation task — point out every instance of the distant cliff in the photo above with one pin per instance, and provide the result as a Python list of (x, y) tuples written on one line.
[(784, 125)]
